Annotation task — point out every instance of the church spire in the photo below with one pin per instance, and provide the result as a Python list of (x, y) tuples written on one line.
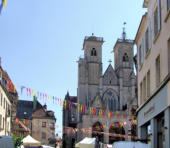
[(124, 33)]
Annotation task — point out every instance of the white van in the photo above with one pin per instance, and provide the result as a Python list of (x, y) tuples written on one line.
[(129, 144)]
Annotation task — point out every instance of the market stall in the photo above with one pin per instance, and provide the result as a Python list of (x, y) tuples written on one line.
[(86, 142), (30, 142)]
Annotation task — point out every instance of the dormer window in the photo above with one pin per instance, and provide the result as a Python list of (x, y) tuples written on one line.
[(93, 52), (125, 58)]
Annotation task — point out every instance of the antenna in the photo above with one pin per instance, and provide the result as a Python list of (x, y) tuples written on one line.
[(110, 61), (124, 33)]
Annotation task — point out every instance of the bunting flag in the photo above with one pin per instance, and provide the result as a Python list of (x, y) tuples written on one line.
[(2, 5), (83, 109), (70, 130)]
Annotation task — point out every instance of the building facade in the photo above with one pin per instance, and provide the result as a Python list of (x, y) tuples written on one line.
[(5, 112), (8, 100), (113, 91), (36, 120), (43, 125), (70, 120), (153, 56)]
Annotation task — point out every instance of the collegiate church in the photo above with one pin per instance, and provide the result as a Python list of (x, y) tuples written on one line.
[(114, 90)]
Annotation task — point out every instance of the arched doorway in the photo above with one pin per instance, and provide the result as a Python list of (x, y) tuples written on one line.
[(98, 131), (116, 129)]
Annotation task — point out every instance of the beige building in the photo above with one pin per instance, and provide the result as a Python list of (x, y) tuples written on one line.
[(36, 120), (153, 44), (43, 125), (8, 101), (5, 109)]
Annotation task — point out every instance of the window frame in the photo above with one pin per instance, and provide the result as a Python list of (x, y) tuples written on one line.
[(158, 67), (156, 30), (141, 92), (168, 5), (168, 55), (140, 55), (147, 41), (43, 135), (93, 52), (144, 89), (148, 83), (44, 124)]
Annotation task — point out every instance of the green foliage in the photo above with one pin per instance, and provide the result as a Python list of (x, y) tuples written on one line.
[(17, 141)]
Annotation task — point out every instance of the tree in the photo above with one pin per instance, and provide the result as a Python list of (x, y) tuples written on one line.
[(17, 141)]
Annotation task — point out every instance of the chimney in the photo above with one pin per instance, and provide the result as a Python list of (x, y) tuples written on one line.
[(34, 102)]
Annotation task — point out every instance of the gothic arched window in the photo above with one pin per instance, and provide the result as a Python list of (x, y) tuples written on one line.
[(93, 52), (125, 58)]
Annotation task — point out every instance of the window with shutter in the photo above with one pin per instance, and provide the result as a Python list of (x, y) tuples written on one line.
[(144, 89), (168, 4), (43, 135), (139, 55), (159, 15), (153, 31), (141, 93), (147, 41), (155, 22), (43, 124), (142, 52), (150, 37), (148, 83), (0, 120), (158, 72), (169, 55)]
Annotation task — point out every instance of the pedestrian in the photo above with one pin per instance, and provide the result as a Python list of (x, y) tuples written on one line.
[(97, 144)]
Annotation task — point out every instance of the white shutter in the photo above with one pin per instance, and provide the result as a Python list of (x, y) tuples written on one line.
[(159, 14), (150, 36)]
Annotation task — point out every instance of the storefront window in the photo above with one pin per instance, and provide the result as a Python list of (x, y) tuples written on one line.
[(149, 134), (161, 132)]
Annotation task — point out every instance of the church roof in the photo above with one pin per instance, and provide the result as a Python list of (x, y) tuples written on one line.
[(93, 38), (110, 77), (71, 98)]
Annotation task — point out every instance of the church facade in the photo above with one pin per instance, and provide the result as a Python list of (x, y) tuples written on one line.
[(113, 91)]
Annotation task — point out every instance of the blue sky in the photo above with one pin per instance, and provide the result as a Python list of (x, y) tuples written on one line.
[(41, 40)]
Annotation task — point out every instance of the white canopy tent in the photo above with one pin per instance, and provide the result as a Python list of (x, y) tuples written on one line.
[(86, 142), (29, 141), (45, 146), (129, 144)]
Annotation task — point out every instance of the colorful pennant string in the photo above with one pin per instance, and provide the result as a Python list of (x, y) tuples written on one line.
[(69, 104), (70, 130)]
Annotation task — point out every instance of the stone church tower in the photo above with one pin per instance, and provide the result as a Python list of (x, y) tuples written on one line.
[(90, 70), (114, 91)]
